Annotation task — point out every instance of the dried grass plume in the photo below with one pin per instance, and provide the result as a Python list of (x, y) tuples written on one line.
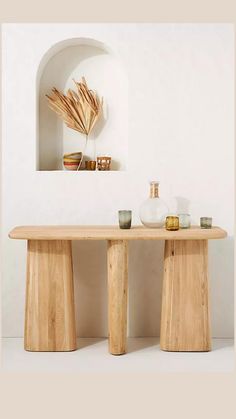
[(79, 110)]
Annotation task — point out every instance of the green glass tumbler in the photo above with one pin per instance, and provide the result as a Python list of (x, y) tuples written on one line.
[(206, 222), (125, 218)]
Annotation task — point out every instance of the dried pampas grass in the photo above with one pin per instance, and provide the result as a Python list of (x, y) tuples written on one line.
[(79, 110)]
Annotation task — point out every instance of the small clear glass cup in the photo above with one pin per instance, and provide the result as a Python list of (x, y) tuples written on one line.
[(125, 218), (206, 222), (184, 220)]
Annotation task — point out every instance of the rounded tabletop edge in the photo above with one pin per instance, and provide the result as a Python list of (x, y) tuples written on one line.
[(99, 232)]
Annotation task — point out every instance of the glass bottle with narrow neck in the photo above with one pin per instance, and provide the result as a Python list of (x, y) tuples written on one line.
[(153, 211)]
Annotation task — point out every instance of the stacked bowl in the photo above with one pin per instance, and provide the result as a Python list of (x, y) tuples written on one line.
[(72, 161)]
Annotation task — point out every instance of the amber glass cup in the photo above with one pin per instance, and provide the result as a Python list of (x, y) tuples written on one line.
[(90, 165), (172, 223)]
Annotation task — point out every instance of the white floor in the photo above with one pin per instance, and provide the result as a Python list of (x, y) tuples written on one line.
[(144, 355)]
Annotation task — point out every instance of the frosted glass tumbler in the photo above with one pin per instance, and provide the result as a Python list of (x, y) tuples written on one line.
[(184, 220)]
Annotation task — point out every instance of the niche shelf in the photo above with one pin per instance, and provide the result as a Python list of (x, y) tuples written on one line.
[(104, 73)]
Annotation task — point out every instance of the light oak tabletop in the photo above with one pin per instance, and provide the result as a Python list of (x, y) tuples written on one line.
[(106, 232)]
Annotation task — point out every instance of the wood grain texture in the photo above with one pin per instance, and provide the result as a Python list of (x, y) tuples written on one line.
[(117, 261), (185, 323), (113, 233), (49, 313)]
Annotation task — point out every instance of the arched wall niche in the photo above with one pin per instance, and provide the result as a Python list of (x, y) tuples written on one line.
[(105, 73)]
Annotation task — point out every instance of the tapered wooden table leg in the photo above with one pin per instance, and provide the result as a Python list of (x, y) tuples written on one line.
[(185, 323), (117, 259), (49, 314)]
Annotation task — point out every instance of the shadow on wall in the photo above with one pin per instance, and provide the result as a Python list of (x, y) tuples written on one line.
[(145, 285), (221, 268), (90, 283)]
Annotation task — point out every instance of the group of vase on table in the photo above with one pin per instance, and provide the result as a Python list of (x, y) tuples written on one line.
[(74, 161), (154, 213)]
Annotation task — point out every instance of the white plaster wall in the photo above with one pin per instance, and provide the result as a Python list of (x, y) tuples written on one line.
[(180, 131)]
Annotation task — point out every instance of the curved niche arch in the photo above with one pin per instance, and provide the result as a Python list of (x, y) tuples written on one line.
[(105, 73)]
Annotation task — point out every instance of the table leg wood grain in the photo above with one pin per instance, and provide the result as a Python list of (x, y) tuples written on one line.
[(117, 261), (185, 323), (50, 313)]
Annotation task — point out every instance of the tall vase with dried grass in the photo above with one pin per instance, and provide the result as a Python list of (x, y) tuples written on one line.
[(79, 110)]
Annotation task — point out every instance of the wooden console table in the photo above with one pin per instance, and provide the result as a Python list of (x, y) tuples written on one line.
[(50, 313)]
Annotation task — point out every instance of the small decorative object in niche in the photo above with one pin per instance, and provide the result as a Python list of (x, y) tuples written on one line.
[(172, 223), (184, 220), (125, 218), (79, 110), (206, 222), (90, 165), (103, 163), (153, 211), (72, 161)]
